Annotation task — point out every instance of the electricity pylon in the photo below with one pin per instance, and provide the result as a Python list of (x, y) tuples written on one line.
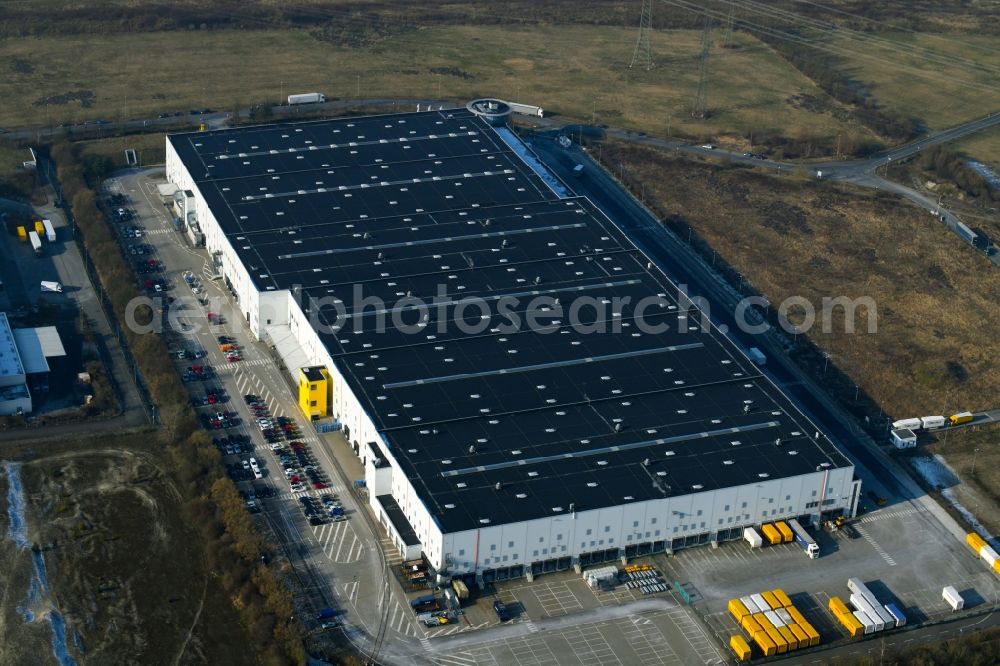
[(643, 53)]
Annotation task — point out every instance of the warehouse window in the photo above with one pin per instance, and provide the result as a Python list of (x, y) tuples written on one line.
[(607, 528), (312, 387), (535, 552), (510, 544), (770, 500), (788, 498), (461, 552), (610, 541), (727, 508), (653, 521), (635, 523), (504, 558), (628, 538), (541, 539), (493, 546), (657, 533), (588, 532), (312, 403), (699, 512), (814, 493), (720, 521), (559, 537), (744, 505), (514, 557)]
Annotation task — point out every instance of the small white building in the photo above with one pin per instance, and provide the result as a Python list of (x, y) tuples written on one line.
[(903, 438), (15, 398)]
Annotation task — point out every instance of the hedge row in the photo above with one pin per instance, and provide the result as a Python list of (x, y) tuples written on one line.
[(213, 505)]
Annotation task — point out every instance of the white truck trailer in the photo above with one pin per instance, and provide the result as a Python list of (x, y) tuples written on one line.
[(805, 541), (50, 231), (753, 537), (954, 599), (36, 243), (52, 287), (306, 98), (526, 109)]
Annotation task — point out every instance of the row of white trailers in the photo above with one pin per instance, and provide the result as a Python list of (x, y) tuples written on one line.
[(932, 422), (872, 615)]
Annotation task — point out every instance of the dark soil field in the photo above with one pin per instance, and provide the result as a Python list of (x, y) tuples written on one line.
[(107, 551)]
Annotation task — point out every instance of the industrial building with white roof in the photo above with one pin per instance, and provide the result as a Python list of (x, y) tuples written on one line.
[(497, 450)]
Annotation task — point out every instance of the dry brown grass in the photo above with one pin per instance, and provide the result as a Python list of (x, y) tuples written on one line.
[(937, 346)]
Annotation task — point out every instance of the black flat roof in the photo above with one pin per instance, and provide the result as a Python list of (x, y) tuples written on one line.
[(494, 423), (398, 518), (313, 373)]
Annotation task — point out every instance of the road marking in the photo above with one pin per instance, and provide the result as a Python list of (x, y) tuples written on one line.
[(874, 544)]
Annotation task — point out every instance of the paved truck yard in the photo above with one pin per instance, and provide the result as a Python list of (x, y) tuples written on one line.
[(902, 550)]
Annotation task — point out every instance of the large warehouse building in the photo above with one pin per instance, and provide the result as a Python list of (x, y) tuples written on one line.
[(592, 430)]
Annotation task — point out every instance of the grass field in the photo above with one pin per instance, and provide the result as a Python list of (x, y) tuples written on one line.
[(984, 147), (943, 80), (576, 71), (150, 148)]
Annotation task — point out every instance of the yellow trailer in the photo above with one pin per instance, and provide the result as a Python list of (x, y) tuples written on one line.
[(22, 234), (750, 625), (39, 228), (996, 566), (765, 643), (811, 633), (779, 641), (771, 600), (786, 633), (975, 542), (786, 531), (854, 628), (737, 609), (800, 635), (762, 620), (805, 625), (961, 417), (782, 598), (739, 647), (771, 533), (838, 607)]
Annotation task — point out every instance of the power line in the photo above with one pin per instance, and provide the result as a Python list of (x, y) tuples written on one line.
[(643, 53), (701, 102), (727, 41), (795, 38)]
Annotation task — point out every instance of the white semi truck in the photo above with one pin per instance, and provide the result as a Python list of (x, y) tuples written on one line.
[(306, 98)]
